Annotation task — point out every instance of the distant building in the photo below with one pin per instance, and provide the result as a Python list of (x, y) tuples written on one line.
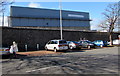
[(48, 18)]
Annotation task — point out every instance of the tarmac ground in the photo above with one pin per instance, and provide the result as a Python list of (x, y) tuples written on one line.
[(86, 61)]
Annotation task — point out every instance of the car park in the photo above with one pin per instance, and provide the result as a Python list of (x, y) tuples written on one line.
[(74, 45), (56, 45), (101, 43), (4, 51), (87, 44)]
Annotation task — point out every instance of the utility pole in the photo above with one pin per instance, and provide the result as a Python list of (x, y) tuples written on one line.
[(3, 19), (60, 5), (2, 14)]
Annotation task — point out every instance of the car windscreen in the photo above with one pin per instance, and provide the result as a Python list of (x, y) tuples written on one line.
[(89, 42), (104, 41), (62, 42), (75, 42), (80, 42)]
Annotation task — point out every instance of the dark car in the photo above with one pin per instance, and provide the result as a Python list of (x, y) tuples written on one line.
[(74, 45), (87, 44), (101, 43)]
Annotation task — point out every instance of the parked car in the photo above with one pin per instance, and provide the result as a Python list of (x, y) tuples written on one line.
[(4, 51), (101, 43), (74, 45), (87, 44), (56, 45), (115, 42)]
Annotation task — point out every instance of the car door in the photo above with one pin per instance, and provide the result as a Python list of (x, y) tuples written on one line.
[(81, 42), (96, 42), (52, 45), (85, 44), (49, 45)]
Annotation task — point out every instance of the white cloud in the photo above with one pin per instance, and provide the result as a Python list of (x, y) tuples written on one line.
[(67, 0), (93, 27), (35, 5), (5, 21), (94, 24)]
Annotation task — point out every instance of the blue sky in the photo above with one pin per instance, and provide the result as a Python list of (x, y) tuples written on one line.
[(95, 9)]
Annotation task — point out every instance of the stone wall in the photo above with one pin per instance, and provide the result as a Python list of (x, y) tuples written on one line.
[(0, 37), (34, 36)]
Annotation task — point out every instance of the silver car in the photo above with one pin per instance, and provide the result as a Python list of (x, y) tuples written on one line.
[(74, 45), (4, 51)]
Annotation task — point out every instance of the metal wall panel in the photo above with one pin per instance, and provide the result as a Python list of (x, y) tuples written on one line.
[(46, 22), (46, 13), (23, 16)]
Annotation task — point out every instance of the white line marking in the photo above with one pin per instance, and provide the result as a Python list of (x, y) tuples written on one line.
[(42, 69), (110, 70)]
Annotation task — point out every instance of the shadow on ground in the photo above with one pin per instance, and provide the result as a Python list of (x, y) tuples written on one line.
[(12, 57), (70, 51)]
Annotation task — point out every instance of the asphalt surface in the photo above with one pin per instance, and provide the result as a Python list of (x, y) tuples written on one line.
[(95, 61)]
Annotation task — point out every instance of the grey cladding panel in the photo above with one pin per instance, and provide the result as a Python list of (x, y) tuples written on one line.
[(24, 16), (47, 22), (46, 13)]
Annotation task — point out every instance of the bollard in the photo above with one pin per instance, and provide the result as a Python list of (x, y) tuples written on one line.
[(26, 47), (119, 37), (80, 39), (37, 46)]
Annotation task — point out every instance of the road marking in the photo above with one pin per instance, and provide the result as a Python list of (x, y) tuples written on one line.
[(47, 68), (110, 70), (41, 69)]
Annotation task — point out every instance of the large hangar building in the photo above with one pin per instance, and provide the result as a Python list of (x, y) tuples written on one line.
[(48, 18)]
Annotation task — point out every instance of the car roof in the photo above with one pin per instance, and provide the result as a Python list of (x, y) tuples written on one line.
[(99, 40), (57, 40), (84, 40), (4, 48)]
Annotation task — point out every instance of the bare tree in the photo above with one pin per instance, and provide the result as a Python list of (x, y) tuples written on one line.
[(4, 3), (111, 19)]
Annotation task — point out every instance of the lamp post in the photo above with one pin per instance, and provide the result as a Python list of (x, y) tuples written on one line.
[(2, 14), (60, 6), (3, 19)]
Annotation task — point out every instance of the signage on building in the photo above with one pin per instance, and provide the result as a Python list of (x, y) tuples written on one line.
[(74, 15)]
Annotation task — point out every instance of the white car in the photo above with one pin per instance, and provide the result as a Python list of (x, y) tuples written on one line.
[(56, 45), (116, 42)]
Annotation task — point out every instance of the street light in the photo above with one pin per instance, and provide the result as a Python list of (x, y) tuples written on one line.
[(60, 6), (2, 13), (3, 18)]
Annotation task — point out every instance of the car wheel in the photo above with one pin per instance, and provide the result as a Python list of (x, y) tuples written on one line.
[(80, 48), (88, 47), (95, 47), (71, 47), (46, 48), (101, 46), (55, 50)]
